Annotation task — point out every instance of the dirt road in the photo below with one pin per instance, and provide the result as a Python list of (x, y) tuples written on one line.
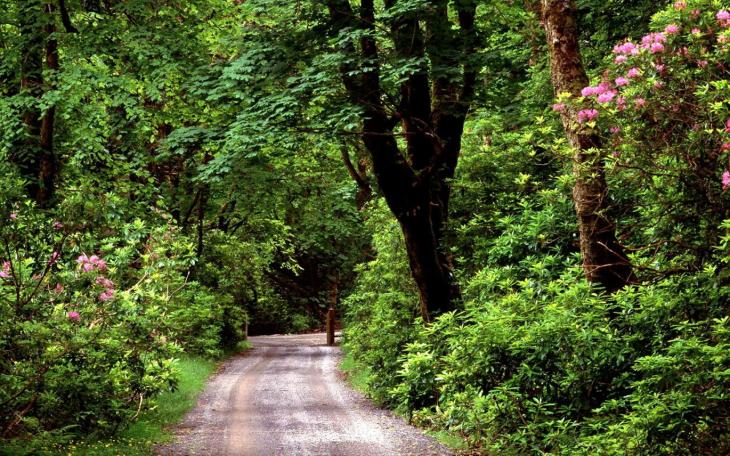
[(285, 397)]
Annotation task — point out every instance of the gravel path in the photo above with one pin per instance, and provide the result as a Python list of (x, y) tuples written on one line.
[(285, 397)]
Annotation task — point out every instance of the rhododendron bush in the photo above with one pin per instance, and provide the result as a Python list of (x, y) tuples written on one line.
[(90, 325), (663, 106)]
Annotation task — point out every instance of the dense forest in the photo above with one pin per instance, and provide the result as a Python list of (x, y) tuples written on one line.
[(517, 208)]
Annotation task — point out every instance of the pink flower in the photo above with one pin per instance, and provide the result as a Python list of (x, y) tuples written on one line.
[(587, 115), (104, 282), (653, 38), (680, 5), (723, 18), (727, 126), (696, 31), (57, 225), (621, 59), (73, 315), (633, 73), (58, 289), (640, 102), (13, 216), (671, 29), (589, 91), (725, 147), (702, 63), (656, 48), (606, 97), (91, 264), (658, 85), (725, 180), (660, 68), (559, 107), (627, 48), (695, 13), (615, 130), (621, 103), (5, 271), (106, 296), (621, 81)]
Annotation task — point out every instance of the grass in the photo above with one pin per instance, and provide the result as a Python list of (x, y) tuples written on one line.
[(150, 429), (356, 375)]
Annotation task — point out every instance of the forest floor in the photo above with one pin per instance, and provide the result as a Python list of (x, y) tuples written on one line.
[(286, 396)]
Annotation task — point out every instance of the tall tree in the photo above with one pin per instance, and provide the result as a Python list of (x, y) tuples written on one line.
[(604, 260), (435, 43)]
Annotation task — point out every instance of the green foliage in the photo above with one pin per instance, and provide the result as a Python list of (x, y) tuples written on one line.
[(152, 426), (537, 361)]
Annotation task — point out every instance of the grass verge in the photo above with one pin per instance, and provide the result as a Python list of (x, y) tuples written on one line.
[(356, 375), (138, 439)]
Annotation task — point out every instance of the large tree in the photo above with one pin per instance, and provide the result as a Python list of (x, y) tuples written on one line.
[(413, 135), (604, 260)]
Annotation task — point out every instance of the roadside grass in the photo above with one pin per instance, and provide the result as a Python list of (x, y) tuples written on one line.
[(356, 375), (450, 440), (139, 438)]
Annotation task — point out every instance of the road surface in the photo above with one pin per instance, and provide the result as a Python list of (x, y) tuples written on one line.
[(285, 397)]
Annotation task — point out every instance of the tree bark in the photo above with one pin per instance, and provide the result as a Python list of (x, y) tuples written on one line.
[(35, 157), (434, 101), (604, 260), (47, 161)]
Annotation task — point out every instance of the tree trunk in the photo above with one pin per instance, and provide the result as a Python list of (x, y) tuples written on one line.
[(35, 156), (431, 110), (47, 161), (604, 260)]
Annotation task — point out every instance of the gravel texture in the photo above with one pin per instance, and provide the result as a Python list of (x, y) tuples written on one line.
[(285, 397)]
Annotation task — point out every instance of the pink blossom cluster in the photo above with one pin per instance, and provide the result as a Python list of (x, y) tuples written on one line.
[(5, 270), (633, 73), (559, 107), (74, 316), (92, 263), (600, 89), (587, 115), (680, 5), (723, 18), (654, 42), (606, 97), (627, 48), (108, 293)]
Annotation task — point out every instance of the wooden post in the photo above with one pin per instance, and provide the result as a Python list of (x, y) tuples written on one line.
[(331, 326)]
